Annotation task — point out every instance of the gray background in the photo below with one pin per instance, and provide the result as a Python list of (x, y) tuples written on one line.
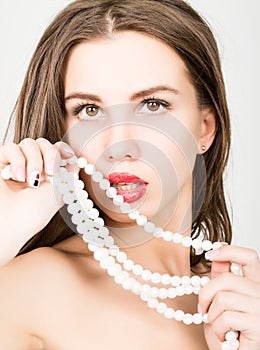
[(236, 27)]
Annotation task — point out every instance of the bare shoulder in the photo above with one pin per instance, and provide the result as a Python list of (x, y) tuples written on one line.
[(29, 284)]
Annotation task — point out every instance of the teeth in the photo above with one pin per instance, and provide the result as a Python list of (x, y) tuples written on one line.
[(126, 186)]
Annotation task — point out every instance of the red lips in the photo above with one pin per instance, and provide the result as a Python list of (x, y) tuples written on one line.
[(124, 179)]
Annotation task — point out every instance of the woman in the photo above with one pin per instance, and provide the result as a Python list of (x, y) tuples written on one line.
[(135, 88)]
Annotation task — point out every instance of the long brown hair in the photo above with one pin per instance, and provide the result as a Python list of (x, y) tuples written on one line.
[(40, 110)]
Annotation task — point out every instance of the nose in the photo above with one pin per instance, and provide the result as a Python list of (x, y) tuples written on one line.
[(122, 150)]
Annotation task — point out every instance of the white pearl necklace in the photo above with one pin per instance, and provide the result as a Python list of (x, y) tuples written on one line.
[(116, 263)]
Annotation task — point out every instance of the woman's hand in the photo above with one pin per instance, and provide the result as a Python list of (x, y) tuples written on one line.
[(24, 209), (231, 301)]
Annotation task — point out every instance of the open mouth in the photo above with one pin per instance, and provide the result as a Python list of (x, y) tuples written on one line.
[(129, 186)]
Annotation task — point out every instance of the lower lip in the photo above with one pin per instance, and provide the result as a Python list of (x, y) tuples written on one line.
[(133, 195)]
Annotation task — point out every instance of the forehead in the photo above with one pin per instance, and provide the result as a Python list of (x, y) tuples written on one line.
[(126, 61)]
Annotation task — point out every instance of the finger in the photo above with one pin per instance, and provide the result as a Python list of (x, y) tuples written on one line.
[(227, 282), (247, 258), (50, 155), (65, 150), (12, 154), (229, 320), (34, 162), (228, 301)]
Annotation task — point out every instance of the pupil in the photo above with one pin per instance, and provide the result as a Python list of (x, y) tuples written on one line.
[(153, 106), (92, 111)]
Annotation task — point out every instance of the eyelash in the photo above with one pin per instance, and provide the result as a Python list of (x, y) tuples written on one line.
[(164, 103)]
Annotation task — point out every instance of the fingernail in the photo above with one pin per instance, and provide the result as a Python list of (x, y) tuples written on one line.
[(66, 148), (199, 309), (35, 179), (212, 254), (20, 174)]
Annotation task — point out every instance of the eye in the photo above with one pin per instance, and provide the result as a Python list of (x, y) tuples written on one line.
[(88, 112), (154, 105)]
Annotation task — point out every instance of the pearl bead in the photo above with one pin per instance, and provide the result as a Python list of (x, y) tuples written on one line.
[(156, 277), (137, 288), (88, 204), (188, 290), (167, 236), (161, 308), (128, 284), (81, 162), (101, 254), (177, 238), (196, 243), (111, 192), (114, 269), (207, 245), (89, 169), (195, 281), (153, 303), (125, 208), (146, 275), (187, 319), (204, 280), (166, 279), (231, 336), (145, 289), (154, 292), (93, 213), (187, 242), (178, 315), (100, 222), (128, 264), (180, 290), (106, 262), (172, 293), (149, 227), (137, 269), (236, 269), (205, 318), (104, 184), (197, 318), (121, 277), (118, 200), (169, 313), (163, 293), (157, 231), (97, 176), (185, 280), (68, 198), (133, 215), (121, 257), (175, 281), (141, 220)]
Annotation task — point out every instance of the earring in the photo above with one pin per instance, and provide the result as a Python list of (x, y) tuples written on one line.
[(203, 148)]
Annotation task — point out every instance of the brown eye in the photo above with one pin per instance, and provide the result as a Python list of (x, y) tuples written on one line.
[(91, 111), (153, 106)]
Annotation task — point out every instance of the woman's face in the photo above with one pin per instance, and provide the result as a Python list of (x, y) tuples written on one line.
[(133, 112)]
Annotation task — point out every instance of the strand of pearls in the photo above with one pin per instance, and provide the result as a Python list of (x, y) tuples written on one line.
[(116, 263)]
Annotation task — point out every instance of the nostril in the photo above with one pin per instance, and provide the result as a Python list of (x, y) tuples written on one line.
[(128, 156)]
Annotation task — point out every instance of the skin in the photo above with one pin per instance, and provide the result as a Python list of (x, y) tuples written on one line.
[(53, 316)]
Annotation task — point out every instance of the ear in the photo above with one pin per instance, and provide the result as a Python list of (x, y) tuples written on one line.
[(208, 129)]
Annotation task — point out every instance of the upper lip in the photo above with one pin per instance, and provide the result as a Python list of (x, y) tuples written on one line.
[(124, 178)]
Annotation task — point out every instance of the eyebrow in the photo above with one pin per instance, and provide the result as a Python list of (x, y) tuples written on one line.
[(133, 97)]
